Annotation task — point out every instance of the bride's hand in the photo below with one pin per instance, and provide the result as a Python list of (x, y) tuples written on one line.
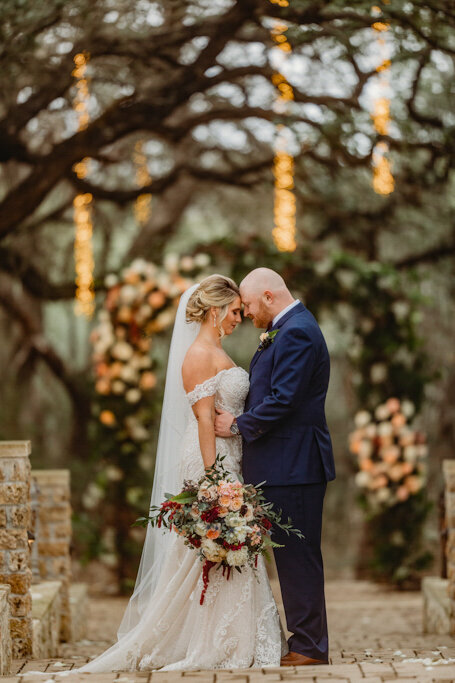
[(223, 421)]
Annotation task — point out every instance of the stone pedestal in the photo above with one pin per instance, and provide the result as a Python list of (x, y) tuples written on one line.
[(14, 549), (436, 605), (5, 637), (54, 535), (449, 478)]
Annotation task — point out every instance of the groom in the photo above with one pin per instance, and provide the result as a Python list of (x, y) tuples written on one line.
[(286, 443)]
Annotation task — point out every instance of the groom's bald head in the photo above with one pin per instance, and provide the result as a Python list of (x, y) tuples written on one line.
[(264, 294)]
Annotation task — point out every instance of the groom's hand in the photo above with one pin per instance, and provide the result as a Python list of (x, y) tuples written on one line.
[(223, 423)]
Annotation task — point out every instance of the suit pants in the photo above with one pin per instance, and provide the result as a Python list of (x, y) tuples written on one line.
[(300, 567)]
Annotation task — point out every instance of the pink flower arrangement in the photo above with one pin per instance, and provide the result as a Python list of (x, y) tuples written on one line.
[(391, 456)]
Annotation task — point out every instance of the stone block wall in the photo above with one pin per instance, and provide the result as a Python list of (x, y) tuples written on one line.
[(5, 637), (54, 535), (449, 478), (15, 554)]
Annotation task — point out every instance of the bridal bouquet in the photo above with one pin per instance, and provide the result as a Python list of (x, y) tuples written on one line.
[(226, 522)]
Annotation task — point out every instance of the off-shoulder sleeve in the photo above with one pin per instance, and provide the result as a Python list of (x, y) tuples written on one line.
[(203, 390)]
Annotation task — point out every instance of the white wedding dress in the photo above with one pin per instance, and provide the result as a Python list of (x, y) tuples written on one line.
[(238, 624)]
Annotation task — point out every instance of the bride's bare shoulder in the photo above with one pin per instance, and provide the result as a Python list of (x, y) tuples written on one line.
[(199, 365)]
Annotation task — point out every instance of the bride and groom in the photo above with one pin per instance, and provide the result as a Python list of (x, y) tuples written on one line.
[(270, 426)]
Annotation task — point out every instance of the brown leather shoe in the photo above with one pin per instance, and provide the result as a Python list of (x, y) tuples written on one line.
[(296, 659)]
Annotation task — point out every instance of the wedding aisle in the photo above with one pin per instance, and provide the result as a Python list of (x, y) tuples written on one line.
[(376, 635)]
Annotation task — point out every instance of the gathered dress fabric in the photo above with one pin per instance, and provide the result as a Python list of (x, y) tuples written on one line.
[(238, 625)]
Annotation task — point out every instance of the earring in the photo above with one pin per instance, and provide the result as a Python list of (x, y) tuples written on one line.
[(214, 320)]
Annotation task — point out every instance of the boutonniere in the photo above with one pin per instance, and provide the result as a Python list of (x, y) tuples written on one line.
[(267, 338)]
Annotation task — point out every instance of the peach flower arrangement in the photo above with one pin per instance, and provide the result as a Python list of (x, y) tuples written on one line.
[(391, 455)]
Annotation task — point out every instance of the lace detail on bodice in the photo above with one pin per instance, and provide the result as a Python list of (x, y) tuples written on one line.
[(229, 387)]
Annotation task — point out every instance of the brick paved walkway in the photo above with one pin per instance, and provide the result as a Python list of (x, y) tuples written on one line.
[(375, 636)]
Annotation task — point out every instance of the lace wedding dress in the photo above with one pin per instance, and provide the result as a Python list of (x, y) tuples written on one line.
[(238, 625)]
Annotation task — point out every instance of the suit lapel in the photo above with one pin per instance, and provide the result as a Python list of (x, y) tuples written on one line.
[(281, 322)]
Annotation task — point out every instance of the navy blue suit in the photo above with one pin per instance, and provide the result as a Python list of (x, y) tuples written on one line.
[(286, 443)]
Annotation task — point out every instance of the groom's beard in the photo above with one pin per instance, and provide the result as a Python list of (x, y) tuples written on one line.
[(262, 318)]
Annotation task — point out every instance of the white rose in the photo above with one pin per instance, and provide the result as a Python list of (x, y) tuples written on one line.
[(382, 412), (237, 558), (407, 408), (383, 495), (385, 428), (240, 533), (233, 519), (365, 449), (122, 350), (110, 280), (201, 529), (186, 263), (139, 265), (410, 453), (378, 372), (362, 418), (362, 479), (129, 374), (114, 473), (171, 262), (263, 336), (133, 395), (202, 260), (400, 310), (118, 387), (128, 294)]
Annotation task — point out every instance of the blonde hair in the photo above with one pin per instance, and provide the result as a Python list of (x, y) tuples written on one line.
[(215, 290)]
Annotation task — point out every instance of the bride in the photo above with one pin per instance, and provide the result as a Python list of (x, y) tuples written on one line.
[(164, 625)]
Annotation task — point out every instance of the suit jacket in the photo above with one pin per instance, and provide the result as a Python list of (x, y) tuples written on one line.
[(286, 440)]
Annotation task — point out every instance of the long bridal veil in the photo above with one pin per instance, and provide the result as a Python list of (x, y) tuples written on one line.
[(174, 417)]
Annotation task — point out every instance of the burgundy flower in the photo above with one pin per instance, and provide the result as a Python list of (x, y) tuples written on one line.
[(210, 515)]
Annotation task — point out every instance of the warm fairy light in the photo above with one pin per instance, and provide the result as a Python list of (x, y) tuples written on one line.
[(283, 168), (381, 115), (383, 182), (143, 204), (83, 254), (82, 204), (284, 209)]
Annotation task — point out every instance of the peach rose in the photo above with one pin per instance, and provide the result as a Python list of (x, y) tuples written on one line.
[(379, 482), (102, 369), (366, 464), (390, 454), (156, 299), (398, 420), (402, 494), (413, 484), (213, 534), (223, 511), (236, 504), (147, 381), (107, 418), (225, 501), (103, 387), (396, 472), (393, 405)]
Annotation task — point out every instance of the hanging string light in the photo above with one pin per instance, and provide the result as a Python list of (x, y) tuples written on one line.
[(82, 203), (143, 204), (383, 182), (283, 168)]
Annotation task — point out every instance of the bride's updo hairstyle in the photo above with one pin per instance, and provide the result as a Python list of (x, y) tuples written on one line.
[(216, 290)]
